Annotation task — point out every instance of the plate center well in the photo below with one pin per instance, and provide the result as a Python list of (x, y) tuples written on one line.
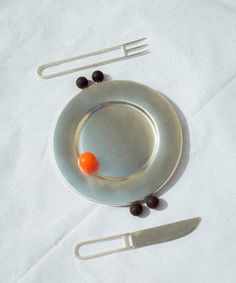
[(121, 135)]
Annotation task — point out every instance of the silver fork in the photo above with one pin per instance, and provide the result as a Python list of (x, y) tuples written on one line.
[(130, 50)]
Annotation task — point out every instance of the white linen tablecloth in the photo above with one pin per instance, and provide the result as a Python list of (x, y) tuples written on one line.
[(193, 62)]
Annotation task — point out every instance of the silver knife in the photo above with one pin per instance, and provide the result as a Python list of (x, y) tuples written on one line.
[(143, 238)]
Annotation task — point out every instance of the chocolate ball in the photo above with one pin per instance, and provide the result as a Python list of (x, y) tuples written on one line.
[(98, 76), (136, 209), (82, 82), (152, 202)]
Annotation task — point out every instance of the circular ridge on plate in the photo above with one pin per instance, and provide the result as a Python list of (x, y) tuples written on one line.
[(122, 136)]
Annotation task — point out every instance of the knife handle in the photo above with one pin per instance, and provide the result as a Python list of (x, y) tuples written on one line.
[(125, 237)]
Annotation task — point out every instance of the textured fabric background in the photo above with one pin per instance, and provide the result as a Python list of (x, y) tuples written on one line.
[(193, 62)]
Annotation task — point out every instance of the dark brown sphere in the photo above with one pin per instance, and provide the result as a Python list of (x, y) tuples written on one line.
[(136, 209), (152, 202), (97, 76), (82, 82)]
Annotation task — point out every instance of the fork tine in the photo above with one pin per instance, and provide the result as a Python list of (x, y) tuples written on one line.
[(133, 42), (138, 53), (136, 48)]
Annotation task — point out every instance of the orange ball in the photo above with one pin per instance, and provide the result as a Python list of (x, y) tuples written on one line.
[(88, 163)]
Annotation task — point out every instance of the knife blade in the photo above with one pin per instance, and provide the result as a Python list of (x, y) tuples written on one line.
[(164, 233), (142, 238)]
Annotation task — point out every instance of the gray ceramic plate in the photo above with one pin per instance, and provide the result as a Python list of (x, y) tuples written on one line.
[(135, 134)]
